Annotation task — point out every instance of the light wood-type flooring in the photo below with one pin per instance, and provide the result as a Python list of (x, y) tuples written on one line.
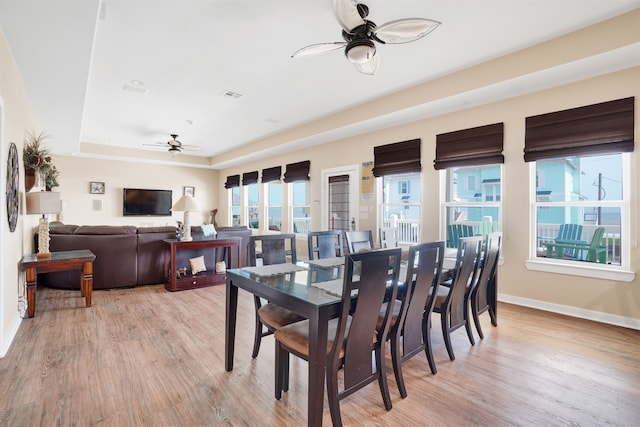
[(149, 357)]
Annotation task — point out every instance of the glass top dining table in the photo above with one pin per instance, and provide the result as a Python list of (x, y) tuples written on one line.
[(311, 289)]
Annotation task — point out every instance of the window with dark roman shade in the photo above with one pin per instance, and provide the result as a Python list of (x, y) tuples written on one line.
[(232, 181), (271, 174), (399, 157), (481, 145), (603, 128), (249, 178), (297, 171)]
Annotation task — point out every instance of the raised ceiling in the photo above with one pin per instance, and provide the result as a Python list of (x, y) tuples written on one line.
[(107, 77)]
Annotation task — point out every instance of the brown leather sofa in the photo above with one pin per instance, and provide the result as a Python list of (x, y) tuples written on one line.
[(126, 255)]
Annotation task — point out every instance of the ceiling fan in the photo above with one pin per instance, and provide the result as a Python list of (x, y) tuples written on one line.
[(175, 146), (359, 35)]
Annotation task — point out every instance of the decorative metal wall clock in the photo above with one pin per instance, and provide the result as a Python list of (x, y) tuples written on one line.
[(12, 191)]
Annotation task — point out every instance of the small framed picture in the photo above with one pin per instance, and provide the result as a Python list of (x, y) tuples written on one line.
[(96, 187), (189, 191)]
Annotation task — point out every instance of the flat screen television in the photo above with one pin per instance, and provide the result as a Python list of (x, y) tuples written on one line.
[(141, 202)]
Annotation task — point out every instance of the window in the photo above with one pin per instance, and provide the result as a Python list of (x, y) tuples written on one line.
[(580, 210), (404, 187), (401, 210), (587, 191), (481, 212), (252, 199), (233, 185), (300, 207), (472, 181), (274, 205), (235, 206)]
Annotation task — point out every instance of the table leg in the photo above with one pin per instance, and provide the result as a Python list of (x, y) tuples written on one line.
[(87, 282), (318, 325), (31, 276), (230, 325)]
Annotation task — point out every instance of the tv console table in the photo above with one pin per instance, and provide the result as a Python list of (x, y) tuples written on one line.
[(176, 256)]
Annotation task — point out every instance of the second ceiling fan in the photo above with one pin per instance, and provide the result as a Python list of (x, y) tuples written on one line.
[(360, 35)]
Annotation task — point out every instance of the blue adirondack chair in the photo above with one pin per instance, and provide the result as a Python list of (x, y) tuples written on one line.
[(456, 231), (592, 251)]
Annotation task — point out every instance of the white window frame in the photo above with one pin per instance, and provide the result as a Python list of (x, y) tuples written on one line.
[(381, 208), (292, 206), (231, 205), (444, 204), (245, 198), (620, 272), (267, 206)]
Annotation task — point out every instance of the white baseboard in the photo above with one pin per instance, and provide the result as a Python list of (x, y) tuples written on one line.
[(597, 316), (10, 335)]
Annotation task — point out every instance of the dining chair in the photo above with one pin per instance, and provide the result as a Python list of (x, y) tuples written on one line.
[(388, 237), (452, 302), (410, 330), (274, 249), (325, 244), (359, 241), (366, 274), (480, 296)]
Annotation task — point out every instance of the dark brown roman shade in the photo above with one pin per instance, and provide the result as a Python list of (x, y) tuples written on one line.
[(603, 128), (271, 174), (481, 145), (232, 181), (297, 171), (249, 178), (399, 157)]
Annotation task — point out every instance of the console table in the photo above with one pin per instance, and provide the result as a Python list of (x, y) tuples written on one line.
[(81, 260), (176, 256)]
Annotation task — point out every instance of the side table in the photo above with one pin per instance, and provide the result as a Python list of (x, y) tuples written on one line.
[(81, 260)]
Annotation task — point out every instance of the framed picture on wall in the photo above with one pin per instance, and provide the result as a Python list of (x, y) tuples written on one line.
[(96, 187), (189, 191)]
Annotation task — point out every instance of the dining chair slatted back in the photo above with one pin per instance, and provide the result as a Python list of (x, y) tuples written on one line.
[(452, 302), (274, 249), (480, 295), (358, 241), (410, 331), (494, 240), (365, 288), (388, 237), (325, 244)]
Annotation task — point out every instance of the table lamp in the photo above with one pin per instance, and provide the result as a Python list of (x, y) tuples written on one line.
[(43, 202), (186, 204)]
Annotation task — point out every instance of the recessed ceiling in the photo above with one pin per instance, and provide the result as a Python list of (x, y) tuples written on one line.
[(181, 63)]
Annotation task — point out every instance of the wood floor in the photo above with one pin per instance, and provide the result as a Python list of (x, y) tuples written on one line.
[(146, 356)]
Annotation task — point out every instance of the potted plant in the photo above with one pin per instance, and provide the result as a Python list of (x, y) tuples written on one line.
[(37, 161)]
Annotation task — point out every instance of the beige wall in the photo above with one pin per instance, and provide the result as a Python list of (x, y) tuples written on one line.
[(78, 204), (618, 302), (16, 121)]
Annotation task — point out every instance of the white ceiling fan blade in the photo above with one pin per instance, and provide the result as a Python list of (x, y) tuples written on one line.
[(370, 66), (316, 49), (405, 30), (189, 147), (347, 14)]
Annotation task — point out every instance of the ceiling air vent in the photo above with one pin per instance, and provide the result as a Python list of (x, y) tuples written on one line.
[(231, 94), (135, 89)]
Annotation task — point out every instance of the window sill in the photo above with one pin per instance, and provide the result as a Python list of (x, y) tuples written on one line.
[(593, 271)]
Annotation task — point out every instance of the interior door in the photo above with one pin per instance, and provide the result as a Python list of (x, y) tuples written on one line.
[(340, 198)]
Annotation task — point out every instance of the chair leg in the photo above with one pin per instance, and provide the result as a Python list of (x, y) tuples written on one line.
[(332, 395), (258, 335), (279, 374), (397, 364), (467, 326), (428, 349), (476, 320), (444, 320), (382, 377)]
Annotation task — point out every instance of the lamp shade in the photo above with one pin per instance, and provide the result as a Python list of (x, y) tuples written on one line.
[(43, 202), (186, 204)]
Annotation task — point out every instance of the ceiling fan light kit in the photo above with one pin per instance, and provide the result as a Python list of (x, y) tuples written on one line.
[(359, 35)]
